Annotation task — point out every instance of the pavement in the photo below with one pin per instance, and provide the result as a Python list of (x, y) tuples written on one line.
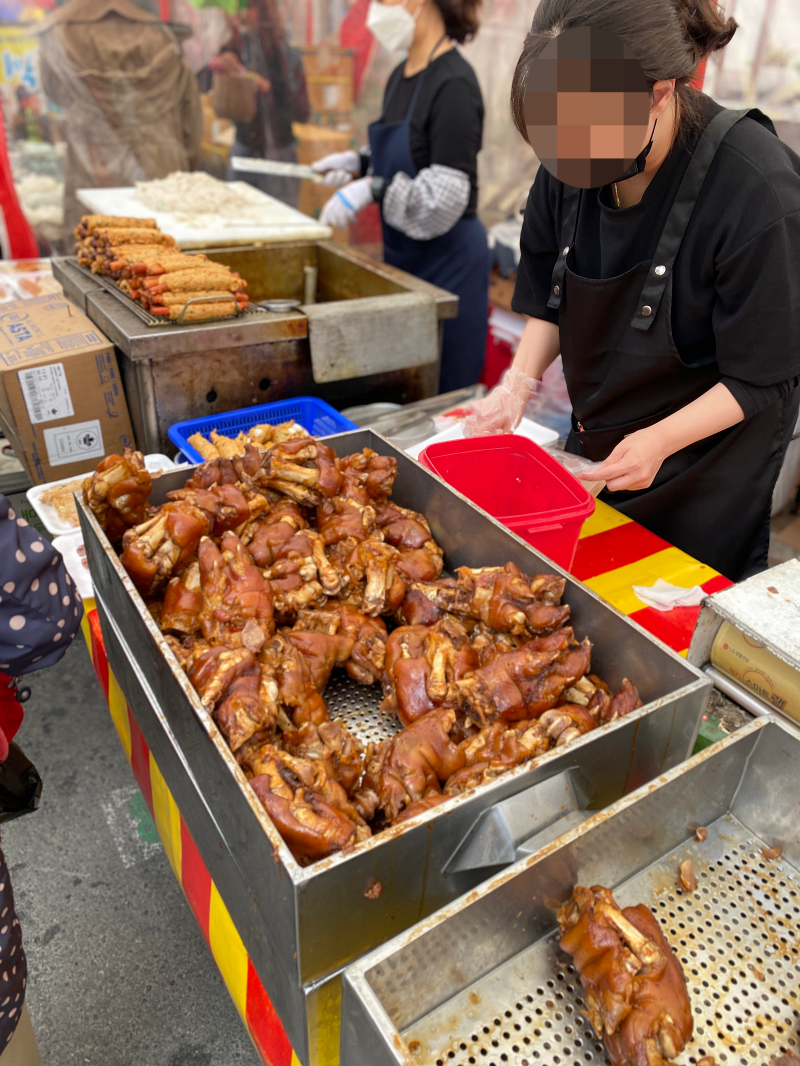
[(119, 973)]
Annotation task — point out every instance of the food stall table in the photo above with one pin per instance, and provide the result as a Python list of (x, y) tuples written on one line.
[(613, 553)]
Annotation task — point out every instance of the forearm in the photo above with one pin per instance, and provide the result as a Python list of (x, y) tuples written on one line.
[(539, 346), (710, 413)]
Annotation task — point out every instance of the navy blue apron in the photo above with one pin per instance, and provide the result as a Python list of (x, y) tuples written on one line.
[(458, 261), (624, 373)]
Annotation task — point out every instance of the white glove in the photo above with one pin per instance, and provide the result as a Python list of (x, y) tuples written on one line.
[(344, 205), (337, 178), (502, 410), (349, 161)]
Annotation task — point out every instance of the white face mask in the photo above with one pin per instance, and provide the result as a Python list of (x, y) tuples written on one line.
[(391, 25)]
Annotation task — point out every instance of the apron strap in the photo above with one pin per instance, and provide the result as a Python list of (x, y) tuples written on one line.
[(417, 87), (680, 216), (570, 205)]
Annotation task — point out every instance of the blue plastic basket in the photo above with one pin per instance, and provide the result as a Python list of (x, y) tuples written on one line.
[(315, 416)]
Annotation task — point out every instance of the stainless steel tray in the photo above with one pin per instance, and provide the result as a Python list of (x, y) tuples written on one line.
[(316, 919), (484, 981)]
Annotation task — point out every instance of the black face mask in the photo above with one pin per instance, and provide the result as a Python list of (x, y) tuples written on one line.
[(637, 166)]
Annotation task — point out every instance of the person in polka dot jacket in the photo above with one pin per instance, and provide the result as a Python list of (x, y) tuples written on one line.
[(40, 612)]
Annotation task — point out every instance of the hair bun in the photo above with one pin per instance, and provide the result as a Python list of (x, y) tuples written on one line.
[(705, 25)]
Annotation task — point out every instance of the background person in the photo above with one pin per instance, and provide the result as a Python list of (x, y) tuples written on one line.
[(259, 47), (130, 100), (672, 294), (40, 613), (422, 169)]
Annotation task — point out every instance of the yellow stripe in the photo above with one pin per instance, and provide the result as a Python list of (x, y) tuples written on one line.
[(325, 1023), (167, 817), (118, 707), (604, 518), (671, 564), (295, 1060), (228, 951), (88, 605)]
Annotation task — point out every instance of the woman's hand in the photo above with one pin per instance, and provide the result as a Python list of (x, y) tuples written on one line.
[(229, 63), (338, 168), (343, 206), (502, 410), (633, 464), (636, 460), (264, 85)]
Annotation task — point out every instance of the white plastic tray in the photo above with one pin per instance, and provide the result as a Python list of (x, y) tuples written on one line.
[(57, 526), (540, 435), (69, 547)]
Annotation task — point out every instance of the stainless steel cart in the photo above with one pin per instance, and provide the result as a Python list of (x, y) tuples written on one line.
[(302, 926)]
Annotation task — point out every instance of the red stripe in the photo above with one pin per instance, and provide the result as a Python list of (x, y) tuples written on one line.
[(614, 548), (716, 584), (98, 650), (195, 879), (674, 627), (264, 1024), (140, 761)]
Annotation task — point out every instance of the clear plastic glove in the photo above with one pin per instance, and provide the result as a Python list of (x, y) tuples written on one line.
[(344, 205), (349, 161), (502, 410)]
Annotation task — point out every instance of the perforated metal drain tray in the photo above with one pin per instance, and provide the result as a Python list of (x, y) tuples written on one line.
[(484, 981)]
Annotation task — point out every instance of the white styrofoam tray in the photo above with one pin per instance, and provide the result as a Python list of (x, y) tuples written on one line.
[(540, 435), (69, 546), (57, 526), (283, 223)]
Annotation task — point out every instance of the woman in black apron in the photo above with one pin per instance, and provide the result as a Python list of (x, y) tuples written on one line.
[(421, 168), (671, 294)]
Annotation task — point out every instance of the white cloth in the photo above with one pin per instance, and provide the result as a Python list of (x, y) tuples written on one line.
[(428, 205), (663, 596)]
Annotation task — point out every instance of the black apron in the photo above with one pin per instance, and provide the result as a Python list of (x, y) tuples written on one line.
[(624, 373), (458, 261)]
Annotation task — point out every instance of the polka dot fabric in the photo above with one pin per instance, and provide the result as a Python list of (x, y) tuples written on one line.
[(40, 608), (13, 965)]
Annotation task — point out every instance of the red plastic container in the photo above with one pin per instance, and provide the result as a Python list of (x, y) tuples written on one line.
[(520, 485)]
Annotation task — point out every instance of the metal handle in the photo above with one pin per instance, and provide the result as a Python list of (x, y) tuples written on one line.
[(207, 300), (523, 823)]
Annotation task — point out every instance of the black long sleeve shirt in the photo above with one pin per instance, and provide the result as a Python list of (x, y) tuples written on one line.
[(736, 281)]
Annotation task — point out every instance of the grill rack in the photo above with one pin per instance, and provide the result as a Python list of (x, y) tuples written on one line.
[(158, 321)]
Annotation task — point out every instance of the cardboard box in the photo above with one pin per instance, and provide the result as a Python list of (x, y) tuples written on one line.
[(62, 405)]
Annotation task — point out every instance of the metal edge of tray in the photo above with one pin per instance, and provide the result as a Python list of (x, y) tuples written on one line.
[(165, 677), (153, 321), (397, 986), (446, 302), (202, 825)]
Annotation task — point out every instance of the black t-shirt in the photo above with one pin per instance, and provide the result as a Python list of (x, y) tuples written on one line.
[(447, 123), (736, 282)]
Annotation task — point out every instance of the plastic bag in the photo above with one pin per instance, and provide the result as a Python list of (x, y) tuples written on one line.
[(576, 464), (20, 785)]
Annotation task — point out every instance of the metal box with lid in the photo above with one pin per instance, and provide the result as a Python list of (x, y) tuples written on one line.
[(373, 331), (302, 926), (484, 981)]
